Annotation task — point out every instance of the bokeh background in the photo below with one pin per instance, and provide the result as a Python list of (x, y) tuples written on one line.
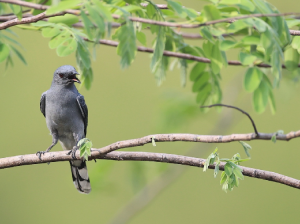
[(125, 104)]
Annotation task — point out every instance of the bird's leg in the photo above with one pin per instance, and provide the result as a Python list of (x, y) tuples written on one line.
[(75, 148), (54, 142)]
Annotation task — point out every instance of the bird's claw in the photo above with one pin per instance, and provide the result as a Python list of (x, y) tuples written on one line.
[(73, 152), (40, 153)]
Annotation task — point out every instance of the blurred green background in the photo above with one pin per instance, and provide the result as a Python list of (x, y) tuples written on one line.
[(125, 104)]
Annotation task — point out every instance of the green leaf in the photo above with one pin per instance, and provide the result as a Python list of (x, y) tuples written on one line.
[(252, 79), (141, 37), (4, 51), (67, 19), (203, 94), (85, 146), (87, 78), (246, 5), (296, 43), (192, 13), (128, 8), (247, 59), (260, 97), (207, 34), (104, 10), (87, 24), (211, 12), (127, 46), (183, 71), (17, 10), (273, 139), (236, 26), (83, 54), (197, 70), (151, 11), (246, 147), (153, 141), (228, 169), (51, 31), (238, 173), (201, 81), (259, 24), (67, 47), (216, 58), (272, 101), (291, 58), (96, 18), (227, 44), (41, 24), (177, 7), (159, 49), (216, 171), (59, 39), (276, 66), (160, 72), (251, 40), (223, 177), (19, 55), (62, 6)]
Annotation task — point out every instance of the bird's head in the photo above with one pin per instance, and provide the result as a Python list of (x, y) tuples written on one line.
[(65, 75)]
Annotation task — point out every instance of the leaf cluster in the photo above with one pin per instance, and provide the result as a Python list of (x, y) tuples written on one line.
[(232, 172), (257, 39), (85, 146)]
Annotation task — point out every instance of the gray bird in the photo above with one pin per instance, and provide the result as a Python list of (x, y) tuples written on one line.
[(67, 118)]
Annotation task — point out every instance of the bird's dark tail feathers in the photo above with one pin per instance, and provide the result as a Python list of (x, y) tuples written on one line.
[(80, 176)]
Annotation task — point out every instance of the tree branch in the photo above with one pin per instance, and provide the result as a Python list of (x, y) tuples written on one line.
[(144, 156), (37, 6), (26, 20), (178, 55), (196, 36), (155, 22)]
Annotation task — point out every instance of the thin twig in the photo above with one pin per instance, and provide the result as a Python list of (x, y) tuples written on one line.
[(244, 112), (144, 156), (10, 14)]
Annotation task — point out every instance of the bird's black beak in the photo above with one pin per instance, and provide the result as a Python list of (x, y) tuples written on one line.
[(73, 78)]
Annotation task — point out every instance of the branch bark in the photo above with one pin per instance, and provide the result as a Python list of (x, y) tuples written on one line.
[(144, 156)]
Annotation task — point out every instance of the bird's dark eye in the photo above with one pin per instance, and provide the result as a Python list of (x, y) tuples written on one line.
[(61, 75)]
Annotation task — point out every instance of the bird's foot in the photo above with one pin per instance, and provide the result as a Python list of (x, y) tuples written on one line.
[(73, 152), (40, 153)]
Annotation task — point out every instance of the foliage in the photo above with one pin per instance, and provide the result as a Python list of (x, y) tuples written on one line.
[(85, 146), (232, 172), (260, 40)]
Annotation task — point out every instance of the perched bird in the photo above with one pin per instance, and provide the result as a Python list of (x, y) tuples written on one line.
[(67, 118)]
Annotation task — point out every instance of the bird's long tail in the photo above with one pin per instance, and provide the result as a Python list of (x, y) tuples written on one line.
[(80, 176)]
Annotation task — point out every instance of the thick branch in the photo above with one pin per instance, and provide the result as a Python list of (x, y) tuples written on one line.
[(144, 156)]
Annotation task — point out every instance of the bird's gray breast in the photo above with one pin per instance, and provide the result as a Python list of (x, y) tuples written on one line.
[(63, 114)]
